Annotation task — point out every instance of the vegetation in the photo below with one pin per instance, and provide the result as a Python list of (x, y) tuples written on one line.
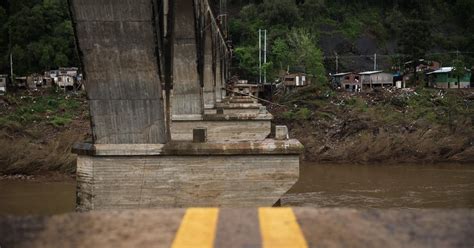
[(37, 131), (429, 125), (39, 35), (415, 29)]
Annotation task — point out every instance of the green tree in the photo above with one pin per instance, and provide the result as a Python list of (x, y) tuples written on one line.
[(415, 41), (305, 52), (459, 70)]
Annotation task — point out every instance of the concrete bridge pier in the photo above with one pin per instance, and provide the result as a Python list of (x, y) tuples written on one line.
[(187, 100), (129, 49), (210, 97)]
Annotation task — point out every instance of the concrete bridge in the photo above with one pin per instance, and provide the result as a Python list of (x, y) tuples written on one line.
[(165, 131), (243, 228)]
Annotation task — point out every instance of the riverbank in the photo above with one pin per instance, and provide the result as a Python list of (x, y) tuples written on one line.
[(384, 126), (38, 129)]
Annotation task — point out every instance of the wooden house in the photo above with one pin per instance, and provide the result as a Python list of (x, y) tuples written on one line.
[(348, 81), (444, 78), (375, 79), (296, 79)]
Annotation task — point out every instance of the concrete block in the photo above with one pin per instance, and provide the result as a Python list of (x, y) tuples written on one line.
[(200, 135), (225, 177), (224, 127), (281, 133)]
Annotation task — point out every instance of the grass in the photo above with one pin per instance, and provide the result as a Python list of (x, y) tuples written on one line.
[(55, 109)]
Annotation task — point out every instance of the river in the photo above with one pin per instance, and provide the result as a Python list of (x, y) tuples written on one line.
[(346, 186)]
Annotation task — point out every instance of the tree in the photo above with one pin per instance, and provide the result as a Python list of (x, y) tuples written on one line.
[(305, 52), (415, 41), (459, 70)]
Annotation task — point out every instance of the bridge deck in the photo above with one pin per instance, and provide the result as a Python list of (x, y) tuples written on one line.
[(265, 227)]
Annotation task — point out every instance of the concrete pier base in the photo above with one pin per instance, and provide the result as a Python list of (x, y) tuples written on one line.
[(184, 174), (226, 127)]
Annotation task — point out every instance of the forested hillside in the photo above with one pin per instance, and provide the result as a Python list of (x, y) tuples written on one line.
[(39, 33), (305, 33), (311, 32)]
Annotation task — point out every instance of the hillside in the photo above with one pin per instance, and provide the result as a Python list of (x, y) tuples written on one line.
[(396, 30)]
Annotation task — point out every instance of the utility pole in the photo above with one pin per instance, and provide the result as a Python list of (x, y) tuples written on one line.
[(337, 63), (375, 62), (260, 56), (11, 66), (265, 57)]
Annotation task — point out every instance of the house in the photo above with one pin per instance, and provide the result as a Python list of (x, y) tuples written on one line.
[(3, 84), (65, 77), (65, 81), (69, 71), (348, 81), (295, 77), (374, 79), (444, 78)]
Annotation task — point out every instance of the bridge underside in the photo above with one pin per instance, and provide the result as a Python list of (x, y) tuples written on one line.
[(155, 70)]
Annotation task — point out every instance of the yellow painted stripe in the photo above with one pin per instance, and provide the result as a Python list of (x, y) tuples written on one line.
[(197, 229), (280, 229)]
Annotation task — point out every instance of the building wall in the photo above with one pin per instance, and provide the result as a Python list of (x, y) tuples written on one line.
[(447, 80), (451, 85), (377, 79)]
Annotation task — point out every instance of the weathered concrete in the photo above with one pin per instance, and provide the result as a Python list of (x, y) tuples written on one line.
[(281, 133), (189, 178), (187, 89), (225, 127), (241, 228), (208, 71), (265, 147), (239, 108), (118, 47), (220, 83)]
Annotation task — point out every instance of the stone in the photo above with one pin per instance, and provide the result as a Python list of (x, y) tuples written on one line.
[(281, 133)]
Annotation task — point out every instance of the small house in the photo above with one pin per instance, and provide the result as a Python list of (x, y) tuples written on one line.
[(295, 80), (295, 77), (3, 84), (375, 79), (68, 71), (348, 81), (65, 81), (445, 78)]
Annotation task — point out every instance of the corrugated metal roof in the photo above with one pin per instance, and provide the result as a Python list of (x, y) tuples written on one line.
[(341, 74), (370, 72), (442, 70)]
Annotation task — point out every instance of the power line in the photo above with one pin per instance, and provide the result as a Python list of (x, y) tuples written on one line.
[(390, 55)]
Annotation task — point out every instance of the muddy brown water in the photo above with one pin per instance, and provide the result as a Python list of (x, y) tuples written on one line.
[(351, 186)]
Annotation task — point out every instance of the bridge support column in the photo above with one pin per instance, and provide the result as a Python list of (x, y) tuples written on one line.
[(187, 99), (121, 68), (208, 73), (219, 82), (129, 48)]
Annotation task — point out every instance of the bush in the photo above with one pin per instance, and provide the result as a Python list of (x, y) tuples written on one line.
[(303, 114), (60, 121)]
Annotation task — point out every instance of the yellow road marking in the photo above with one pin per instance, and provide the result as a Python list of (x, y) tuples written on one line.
[(197, 229), (280, 229)]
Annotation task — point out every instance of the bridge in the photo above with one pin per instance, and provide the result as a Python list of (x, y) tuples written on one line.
[(243, 228), (167, 132)]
